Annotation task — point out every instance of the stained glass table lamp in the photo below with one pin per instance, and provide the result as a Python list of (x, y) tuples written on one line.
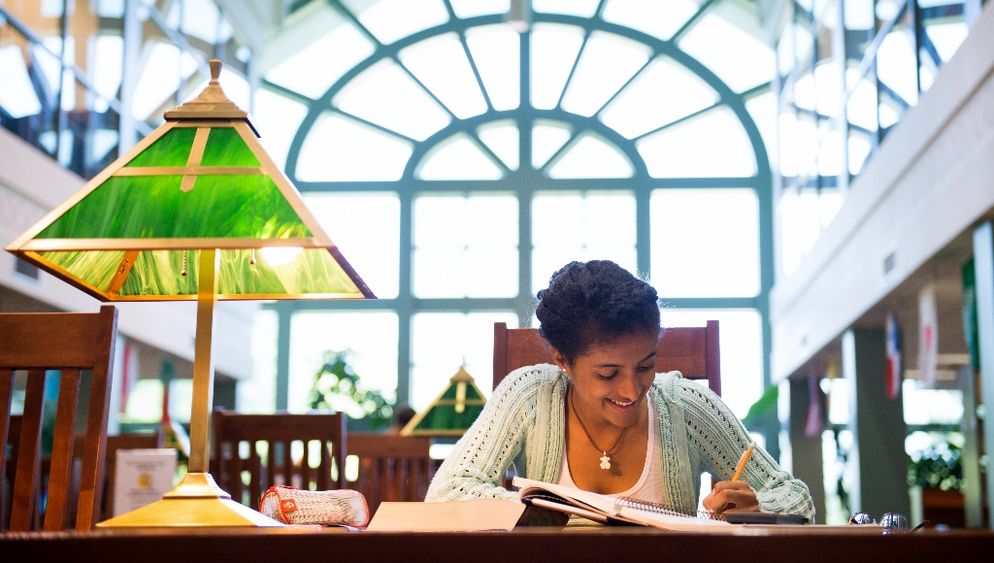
[(197, 211), (452, 412)]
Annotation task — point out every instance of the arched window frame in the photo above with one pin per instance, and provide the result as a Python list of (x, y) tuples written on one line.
[(525, 181)]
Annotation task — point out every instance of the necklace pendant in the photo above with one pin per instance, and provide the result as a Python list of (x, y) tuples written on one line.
[(605, 461)]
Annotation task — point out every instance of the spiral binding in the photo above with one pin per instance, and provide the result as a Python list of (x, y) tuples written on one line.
[(657, 508)]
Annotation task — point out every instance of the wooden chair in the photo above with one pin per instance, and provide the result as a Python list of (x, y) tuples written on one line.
[(693, 351), (391, 468), (266, 458), (69, 343)]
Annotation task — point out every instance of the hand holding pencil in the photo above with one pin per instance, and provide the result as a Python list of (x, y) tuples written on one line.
[(737, 475), (734, 495)]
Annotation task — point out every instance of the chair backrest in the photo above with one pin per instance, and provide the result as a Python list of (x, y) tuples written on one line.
[(693, 351), (391, 468), (279, 450), (70, 343)]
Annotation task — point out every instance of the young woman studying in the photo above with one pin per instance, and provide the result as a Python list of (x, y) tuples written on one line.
[(602, 420)]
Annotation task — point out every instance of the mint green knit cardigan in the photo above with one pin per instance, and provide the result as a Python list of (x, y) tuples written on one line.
[(524, 424)]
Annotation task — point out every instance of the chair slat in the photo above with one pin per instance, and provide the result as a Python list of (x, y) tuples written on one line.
[(313, 475), (91, 482), (284, 463), (63, 442), (6, 386), (323, 470), (223, 466), (28, 453), (271, 471), (254, 468), (233, 479)]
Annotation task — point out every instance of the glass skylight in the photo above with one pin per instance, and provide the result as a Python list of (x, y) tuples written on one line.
[(591, 157), (659, 19), (385, 94), (310, 71), (740, 58), (502, 138), (458, 158), (607, 64), (554, 49), (714, 144), (440, 64), (390, 20), (495, 50), (337, 148), (659, 95), (17, 97)]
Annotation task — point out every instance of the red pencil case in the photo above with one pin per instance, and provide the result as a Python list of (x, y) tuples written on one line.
[(340, 507)]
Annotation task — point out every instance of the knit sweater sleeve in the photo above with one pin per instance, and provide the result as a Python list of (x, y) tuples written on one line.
[(474, 467), (718, 439)]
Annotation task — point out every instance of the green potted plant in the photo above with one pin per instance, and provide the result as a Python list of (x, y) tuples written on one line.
[(937, 467), (938, 471), (337, 387)]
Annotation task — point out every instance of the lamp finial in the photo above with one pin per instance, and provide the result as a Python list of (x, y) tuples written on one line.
[(211, 103), (215, 70)]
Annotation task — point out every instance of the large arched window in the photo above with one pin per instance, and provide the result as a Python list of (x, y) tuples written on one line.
[(458, 161)]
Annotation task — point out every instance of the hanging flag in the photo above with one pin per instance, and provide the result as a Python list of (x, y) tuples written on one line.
[(969, 305), (928, 336), (892, 377), (831, 372), (128, 374), (812, 422)]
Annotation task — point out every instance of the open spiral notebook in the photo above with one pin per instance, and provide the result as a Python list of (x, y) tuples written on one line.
[(608, 509)]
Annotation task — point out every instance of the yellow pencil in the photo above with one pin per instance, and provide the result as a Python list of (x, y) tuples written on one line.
[(743, 461)]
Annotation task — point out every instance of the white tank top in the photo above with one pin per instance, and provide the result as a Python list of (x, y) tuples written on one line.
[(649, 486)]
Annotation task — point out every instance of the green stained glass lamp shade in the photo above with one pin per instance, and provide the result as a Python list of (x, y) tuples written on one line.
[(452, 412), (200, 181), (195, 211)]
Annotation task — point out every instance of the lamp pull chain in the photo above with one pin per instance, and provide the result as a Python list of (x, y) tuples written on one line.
[(183, 271)]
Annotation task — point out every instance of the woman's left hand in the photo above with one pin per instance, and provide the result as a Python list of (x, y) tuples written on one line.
[(731, 496)]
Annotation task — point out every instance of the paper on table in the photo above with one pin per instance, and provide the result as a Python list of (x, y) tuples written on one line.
[(143, 476), (456, 516)]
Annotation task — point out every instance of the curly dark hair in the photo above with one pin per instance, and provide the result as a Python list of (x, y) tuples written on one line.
[(594, 302)]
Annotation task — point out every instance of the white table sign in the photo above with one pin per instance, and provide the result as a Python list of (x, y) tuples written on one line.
[(143, 476)]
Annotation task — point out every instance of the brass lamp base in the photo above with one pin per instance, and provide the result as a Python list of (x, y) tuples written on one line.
[(195, 501)]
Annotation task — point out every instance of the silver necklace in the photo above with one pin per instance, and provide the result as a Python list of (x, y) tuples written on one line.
[(605, 454)]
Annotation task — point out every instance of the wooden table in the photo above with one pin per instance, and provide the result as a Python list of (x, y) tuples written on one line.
[(607, 544)]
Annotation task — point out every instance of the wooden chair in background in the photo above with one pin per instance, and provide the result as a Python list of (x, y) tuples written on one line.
[(268, 456), (693, 351), (70, 343), (391, 468)]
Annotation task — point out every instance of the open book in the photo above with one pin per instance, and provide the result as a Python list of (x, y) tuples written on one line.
[(608, 509)]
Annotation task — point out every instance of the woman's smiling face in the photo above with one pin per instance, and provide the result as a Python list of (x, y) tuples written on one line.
[(610, 380)]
